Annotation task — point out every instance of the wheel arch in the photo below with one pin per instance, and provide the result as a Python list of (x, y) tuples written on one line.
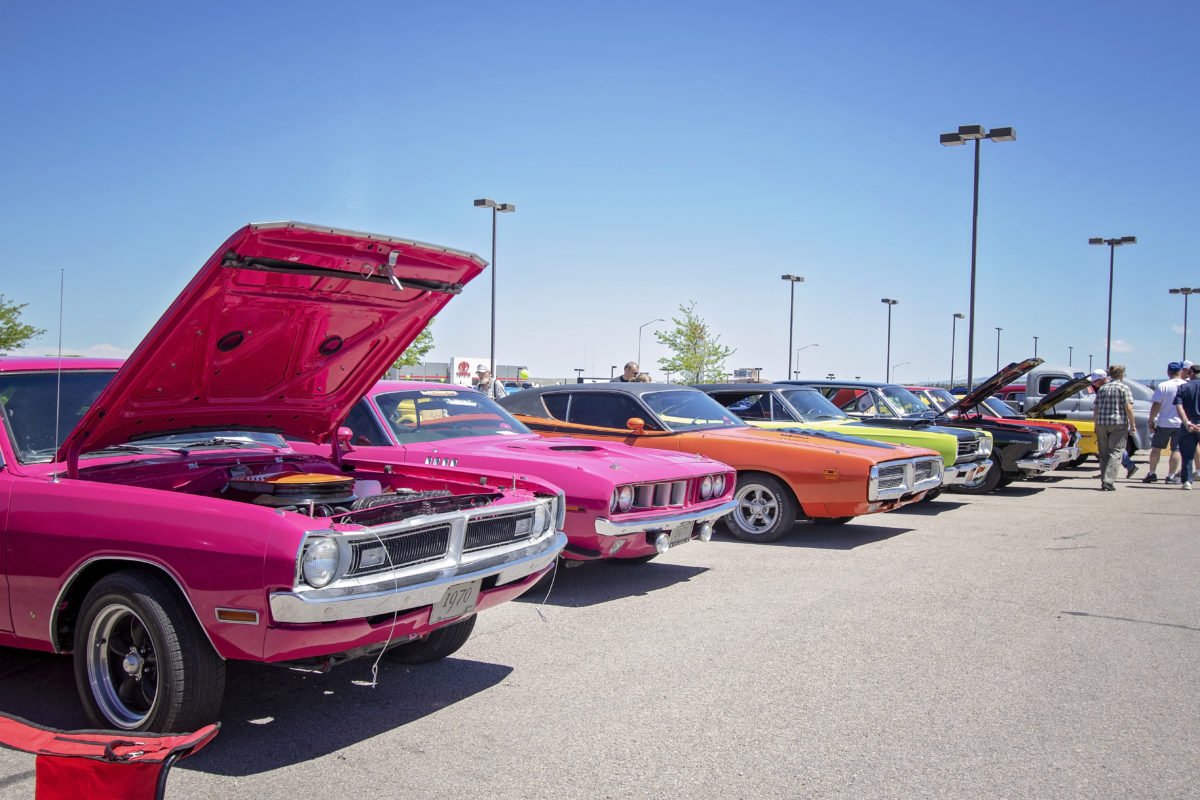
[(800, 512), (91, 572)]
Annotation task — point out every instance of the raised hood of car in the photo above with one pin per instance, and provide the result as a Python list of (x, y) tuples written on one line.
[(283, 329), (1064, 392), (994, 384)]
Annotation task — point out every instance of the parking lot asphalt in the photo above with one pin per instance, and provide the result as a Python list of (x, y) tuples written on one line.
[(1041, 642)]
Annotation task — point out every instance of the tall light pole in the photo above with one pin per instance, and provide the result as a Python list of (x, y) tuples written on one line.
[(502, 208), (1035, 346), (953, 331), (901, 364), (887, 365), (998, 348), (1070, 355), (612, 371), (975, 133), (1186, 293), (1113, 244), (796, 372), (640, 327), (1089, 362), (579, 374), (792, 281)]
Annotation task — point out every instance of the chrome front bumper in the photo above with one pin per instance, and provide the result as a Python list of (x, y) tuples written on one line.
[(1036, 466), (390, 595), (1068, 453), (608, 527), (966, 473)]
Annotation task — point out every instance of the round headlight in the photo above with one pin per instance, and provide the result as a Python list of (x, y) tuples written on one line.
[(541, 516), (624, 498), (718, 485), (706, 487), (320, 561)]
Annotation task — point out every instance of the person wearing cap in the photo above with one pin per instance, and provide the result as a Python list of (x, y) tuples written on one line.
[(487, 384), (1187, 403), (1113, 415), (1165, 424)]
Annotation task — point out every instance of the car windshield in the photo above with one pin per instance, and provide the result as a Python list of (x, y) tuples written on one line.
[(28, 401), (941, 399), (904, 401), (690, 410), (428, 415), (999, 408), (812, 406)]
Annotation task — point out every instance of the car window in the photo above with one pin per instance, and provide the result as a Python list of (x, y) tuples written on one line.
[(29, 400), (605, 410), (429, 415), (755, 406), (813, 406), (1048, 383), (904, 400), (688, 410), (366, 430), (556, 404)]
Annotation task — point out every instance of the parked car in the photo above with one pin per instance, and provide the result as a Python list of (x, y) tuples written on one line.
[(623, 504), (779, 406), (1016, 452), (156, 524), (782, 476), (1045, 378)]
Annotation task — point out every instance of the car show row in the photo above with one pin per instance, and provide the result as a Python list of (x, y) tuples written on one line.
[(244, 487)]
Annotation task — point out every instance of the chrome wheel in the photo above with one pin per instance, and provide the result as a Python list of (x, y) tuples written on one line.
[(122, 666), (757, 510)]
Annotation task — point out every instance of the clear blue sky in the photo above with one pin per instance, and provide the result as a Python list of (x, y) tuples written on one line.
[(658, 154)]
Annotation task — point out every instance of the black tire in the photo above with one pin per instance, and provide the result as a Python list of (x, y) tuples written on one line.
[(766, 509), (987, 484), (932, 494), (1005, 481), (438, 645), (626, 562), (1078, 462), (832, 520), (142, 614)]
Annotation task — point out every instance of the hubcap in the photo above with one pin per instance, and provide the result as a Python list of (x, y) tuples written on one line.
[(757, 510), (122, 666)]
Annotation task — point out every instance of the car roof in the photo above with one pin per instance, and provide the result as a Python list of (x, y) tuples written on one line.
[(529, 401), (855, 384), (746, 387)]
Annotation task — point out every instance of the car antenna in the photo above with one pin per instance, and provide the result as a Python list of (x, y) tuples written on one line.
[(62, 280)]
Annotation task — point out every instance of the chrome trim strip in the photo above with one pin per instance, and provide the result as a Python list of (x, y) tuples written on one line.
[(386, 596), (608, 527)]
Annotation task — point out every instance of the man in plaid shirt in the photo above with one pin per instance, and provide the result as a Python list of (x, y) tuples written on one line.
[(1113, 415)]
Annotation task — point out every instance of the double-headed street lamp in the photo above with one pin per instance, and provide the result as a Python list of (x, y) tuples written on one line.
[(975, 133), (501, 208), (887, 365), (792, 281), (998, 348), (1186, 293), (640, 327), (953, 331), (1113, 244)]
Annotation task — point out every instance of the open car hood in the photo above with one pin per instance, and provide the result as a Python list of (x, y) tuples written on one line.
[(1064, 392), (283, 329), (993, 384)]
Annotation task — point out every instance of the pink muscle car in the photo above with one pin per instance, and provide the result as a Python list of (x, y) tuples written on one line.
[(159, 524), (623, 503)]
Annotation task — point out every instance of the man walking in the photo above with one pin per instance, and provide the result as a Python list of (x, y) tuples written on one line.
[(1113, 415), (1164, 424), (1187, 402)]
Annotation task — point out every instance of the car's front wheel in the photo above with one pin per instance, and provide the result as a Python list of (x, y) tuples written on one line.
[(765, 509), (988, 483), (142, 663)]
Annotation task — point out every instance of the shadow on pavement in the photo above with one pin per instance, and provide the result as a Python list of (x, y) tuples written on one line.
[(598, 582), (1020, 491), (930, 509), (828, 537)]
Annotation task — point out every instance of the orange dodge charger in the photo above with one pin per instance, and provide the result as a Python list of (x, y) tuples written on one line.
[(783, 476)]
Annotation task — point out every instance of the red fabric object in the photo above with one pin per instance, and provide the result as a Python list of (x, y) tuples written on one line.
[(100, 765)]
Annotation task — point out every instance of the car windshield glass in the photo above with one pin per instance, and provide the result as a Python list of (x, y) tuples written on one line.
[(689, 411), (904, 401), (812, 406), (427, 415), (941, 399), (999, 408)]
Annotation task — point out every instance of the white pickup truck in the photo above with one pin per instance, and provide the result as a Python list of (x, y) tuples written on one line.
[(1043, 379)]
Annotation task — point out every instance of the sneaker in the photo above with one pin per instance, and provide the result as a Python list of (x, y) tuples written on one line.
[(1172, 479), (1151, 478), (1187, 485), (1129, 473)]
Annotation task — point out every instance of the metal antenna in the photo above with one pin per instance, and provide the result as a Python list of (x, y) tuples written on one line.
[(62, 280)]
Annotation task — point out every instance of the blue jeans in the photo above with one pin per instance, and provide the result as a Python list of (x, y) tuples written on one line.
[(1188, 441)]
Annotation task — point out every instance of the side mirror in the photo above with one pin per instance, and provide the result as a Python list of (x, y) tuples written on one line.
[(636, 424), (344, 435)]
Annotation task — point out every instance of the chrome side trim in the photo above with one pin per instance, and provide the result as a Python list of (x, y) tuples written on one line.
[(608, 527)]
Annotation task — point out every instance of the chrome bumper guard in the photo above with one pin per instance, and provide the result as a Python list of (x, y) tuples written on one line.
[(1038, 465), (910, 484), (966, 473), (389, 595), (608, 527), (1069, 453)]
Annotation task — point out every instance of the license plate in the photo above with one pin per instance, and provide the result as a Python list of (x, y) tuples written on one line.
[(459, 599), (681, 534)]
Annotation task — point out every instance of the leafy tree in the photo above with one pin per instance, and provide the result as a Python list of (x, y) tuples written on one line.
[(416, 351), (14, 333), (697, 356)]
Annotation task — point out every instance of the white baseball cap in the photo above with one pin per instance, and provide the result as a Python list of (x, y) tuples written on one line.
[(1097, 375), (1186, 364)]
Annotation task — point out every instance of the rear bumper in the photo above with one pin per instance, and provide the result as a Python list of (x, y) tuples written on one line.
[(966, 473)]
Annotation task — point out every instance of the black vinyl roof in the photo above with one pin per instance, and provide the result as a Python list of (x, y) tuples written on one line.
[(529, 401)]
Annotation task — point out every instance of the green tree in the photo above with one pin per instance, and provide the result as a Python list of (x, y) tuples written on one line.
[(13, 332), (697, 356), (416, 351)]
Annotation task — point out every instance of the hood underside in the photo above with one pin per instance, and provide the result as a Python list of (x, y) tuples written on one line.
[(283, 329), (1058, 395), (994, 384)]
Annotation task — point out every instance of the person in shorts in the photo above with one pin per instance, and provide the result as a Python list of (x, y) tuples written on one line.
[(1165, 424), (1187, 402)]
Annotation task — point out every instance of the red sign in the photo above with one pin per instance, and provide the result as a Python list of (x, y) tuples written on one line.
[(464, 368)]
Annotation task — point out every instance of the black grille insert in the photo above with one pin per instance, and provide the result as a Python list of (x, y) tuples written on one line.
[(484, 532), (404, 549)]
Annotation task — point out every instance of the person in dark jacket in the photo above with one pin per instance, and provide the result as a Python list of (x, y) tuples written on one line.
[(1187, 401)]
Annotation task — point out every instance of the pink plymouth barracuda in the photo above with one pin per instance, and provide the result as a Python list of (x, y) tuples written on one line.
[(158, 524), (623, 503)]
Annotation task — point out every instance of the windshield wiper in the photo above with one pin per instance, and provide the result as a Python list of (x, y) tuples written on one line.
[(220, 442), (136, 448)]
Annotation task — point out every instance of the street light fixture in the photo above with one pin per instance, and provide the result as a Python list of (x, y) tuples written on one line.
[(887, 365), (1090, 362), (578, 375), (1070, 355), (1035, 340), (901, 364), (502, 208), (998, 348), (1113, 244), (1186, 293), (612, 371), (640, 327), (953, 331), (792, 281), (975, 133)]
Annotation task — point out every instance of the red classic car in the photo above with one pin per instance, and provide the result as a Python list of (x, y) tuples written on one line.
[(154, 523)]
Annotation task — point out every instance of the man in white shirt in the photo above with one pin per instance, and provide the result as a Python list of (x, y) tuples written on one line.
[(1165, 424)]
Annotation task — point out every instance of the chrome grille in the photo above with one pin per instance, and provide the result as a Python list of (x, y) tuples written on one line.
[(659, 495), (403, 549), (485, 532), (891, 477), (968, 447), (923, 471)]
